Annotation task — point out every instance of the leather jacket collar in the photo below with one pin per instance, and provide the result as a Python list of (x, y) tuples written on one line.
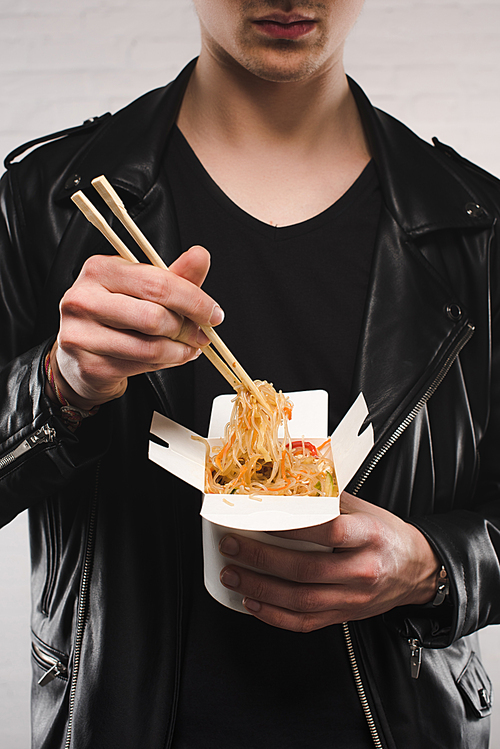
[(443, 201), (143, 128)]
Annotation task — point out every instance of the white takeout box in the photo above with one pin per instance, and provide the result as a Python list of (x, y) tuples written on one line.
[(185, 458)]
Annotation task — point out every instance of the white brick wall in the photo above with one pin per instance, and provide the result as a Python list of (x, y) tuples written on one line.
[(63, 62), (435, 64)]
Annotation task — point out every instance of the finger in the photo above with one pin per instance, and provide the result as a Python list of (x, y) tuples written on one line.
[(298, 597), (98, 307), (350, 599), (154, 285), (288, 564), (359, 524), (193, 265), (343, 533), (291, 620), (123, 352)]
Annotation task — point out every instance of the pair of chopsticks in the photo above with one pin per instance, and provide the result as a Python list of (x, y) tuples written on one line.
[(228, 365)]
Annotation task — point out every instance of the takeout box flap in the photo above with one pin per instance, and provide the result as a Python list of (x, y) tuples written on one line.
[(349, 446), (179, 454)]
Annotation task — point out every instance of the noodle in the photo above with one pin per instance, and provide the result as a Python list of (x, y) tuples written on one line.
[(253, 460)]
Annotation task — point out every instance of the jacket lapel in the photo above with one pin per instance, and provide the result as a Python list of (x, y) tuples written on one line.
[(420, 186), (411, 326), (407, 333)]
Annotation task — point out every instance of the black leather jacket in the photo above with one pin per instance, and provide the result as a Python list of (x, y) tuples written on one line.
[(107, 525)]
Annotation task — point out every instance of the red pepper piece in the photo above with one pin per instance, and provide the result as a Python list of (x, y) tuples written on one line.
[(299, 444)]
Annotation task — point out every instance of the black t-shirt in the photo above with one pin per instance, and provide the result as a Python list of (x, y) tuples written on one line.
[(294, 300)]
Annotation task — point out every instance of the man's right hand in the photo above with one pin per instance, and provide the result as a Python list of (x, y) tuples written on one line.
[(121, 319)]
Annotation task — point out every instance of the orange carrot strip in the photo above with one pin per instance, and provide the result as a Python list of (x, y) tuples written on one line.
[(323, 444)]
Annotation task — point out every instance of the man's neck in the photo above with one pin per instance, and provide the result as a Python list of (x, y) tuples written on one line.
[(274, 134), (228, 103)]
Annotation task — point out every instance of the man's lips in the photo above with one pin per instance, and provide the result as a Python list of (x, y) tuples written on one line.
[(279, 26)]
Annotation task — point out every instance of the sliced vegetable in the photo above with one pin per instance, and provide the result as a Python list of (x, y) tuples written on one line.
[(300, 445)]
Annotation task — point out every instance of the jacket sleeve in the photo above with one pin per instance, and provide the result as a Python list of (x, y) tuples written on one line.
[(467, 540), (37, 453)]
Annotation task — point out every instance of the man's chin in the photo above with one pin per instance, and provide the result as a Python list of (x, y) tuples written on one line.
[(287, 67)]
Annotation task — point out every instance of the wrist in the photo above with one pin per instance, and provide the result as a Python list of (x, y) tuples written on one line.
[(427, 574), (71, 414), (85, 397), (60, 386)]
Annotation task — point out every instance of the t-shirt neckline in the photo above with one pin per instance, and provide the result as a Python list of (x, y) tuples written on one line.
[(363, 184)]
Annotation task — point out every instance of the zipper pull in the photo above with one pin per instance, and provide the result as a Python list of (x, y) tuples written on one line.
[(44, 434), (50, 675), (415, 657), (51, 662)]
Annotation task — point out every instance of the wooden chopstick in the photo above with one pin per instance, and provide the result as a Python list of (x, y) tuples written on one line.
[(115, 203), (232, 371), (97, 219)]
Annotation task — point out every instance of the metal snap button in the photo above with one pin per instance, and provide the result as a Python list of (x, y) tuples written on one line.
[(454, 312), (484, 698), (474, 210), (73, 182)]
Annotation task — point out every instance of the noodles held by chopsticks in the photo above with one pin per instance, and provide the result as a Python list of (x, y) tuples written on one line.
[(253, 460)]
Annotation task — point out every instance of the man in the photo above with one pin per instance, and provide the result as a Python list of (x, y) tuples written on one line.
[(347, 255)]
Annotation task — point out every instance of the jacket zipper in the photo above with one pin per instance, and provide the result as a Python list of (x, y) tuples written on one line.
[(415, 657), (82, 610), (419, 405), (52, 560), (55, 667), (415, 646), (44, 434), (360, 688)]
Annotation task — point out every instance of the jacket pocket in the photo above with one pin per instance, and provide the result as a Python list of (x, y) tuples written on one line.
[(476, 688), (51, 664), (52, 558)]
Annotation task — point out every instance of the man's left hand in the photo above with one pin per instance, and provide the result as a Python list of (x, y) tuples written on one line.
[(380, 562)]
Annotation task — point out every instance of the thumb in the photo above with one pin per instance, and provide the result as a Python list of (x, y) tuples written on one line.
[(193, 265), (349, 503)]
